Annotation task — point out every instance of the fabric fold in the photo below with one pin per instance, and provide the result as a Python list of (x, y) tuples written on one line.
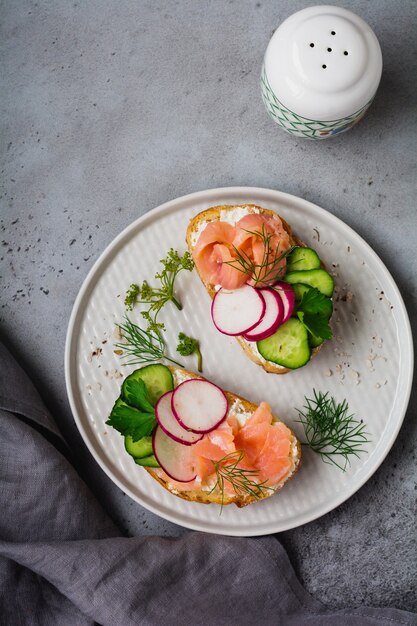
[(63, 561), (18, 394)]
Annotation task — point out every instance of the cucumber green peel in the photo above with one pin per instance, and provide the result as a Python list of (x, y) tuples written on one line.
[(318, 278), (139, 449), (288, 346), (303, 259), (147, 461)]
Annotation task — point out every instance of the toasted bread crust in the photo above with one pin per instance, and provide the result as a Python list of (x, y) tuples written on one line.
[(212, 214), (205, 497)]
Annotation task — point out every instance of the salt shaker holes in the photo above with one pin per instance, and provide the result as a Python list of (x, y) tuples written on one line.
[(304, 76)]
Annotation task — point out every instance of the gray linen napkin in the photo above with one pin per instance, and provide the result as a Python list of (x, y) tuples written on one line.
[(63, 562)]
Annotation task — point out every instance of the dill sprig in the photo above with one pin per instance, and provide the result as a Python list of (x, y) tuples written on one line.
[(141, 346), (330, 430), (268, 270), (242, 480)]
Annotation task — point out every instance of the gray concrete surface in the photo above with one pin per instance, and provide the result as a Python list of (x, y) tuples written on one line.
[(111, 108)]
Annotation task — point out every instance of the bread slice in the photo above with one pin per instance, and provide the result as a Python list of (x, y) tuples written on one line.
[(232, 214), (244, 408)]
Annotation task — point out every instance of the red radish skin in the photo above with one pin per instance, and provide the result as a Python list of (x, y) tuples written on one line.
[(288, 299), (170, 425), (273, 317), (174, 458), (237, 311), (199, 405)]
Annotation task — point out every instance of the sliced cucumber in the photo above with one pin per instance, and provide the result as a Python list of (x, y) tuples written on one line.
[(300, 290), (288, 346), (139, 449), (303, 259), (314, 278), (157, 378), (148, 461)]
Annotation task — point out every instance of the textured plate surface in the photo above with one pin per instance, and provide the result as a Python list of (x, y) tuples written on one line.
[(369, 361)]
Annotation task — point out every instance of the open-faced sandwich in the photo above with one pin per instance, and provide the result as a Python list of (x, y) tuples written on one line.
[(201, 443), (269, 289)]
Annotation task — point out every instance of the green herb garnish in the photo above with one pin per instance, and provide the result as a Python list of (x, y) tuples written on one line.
[(330, 430), (188, 346), (242, 480), (268, 270), (136, 394), (132, 296), (147, 345), (152, 325), (132, 421), (157, 297), (141, 346), (314, 311)]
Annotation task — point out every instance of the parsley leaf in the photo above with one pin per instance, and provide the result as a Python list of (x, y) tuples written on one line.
[(130, 421), (314, 311), (317, 325), (136, 395), (187, 346), (313, 301)]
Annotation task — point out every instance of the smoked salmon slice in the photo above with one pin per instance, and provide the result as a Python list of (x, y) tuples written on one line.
[(265, 447), (274, 459), (264, 240), (261, 241), (252, 440), (214, 256)]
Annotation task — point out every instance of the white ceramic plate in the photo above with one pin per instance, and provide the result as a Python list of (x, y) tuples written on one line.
[(369, 361)]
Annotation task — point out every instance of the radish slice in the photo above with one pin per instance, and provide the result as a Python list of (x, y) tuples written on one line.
[(199, 405), (274, 314), (288, 299), (170, 425), (237, 311), (175, 459)]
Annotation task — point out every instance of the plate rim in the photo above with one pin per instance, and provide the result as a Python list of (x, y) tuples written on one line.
[(203, 196)]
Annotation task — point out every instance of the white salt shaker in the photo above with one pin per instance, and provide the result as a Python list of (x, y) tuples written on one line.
[(321, 71)]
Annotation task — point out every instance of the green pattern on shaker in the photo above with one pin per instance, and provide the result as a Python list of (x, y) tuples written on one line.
[(302, 126)]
